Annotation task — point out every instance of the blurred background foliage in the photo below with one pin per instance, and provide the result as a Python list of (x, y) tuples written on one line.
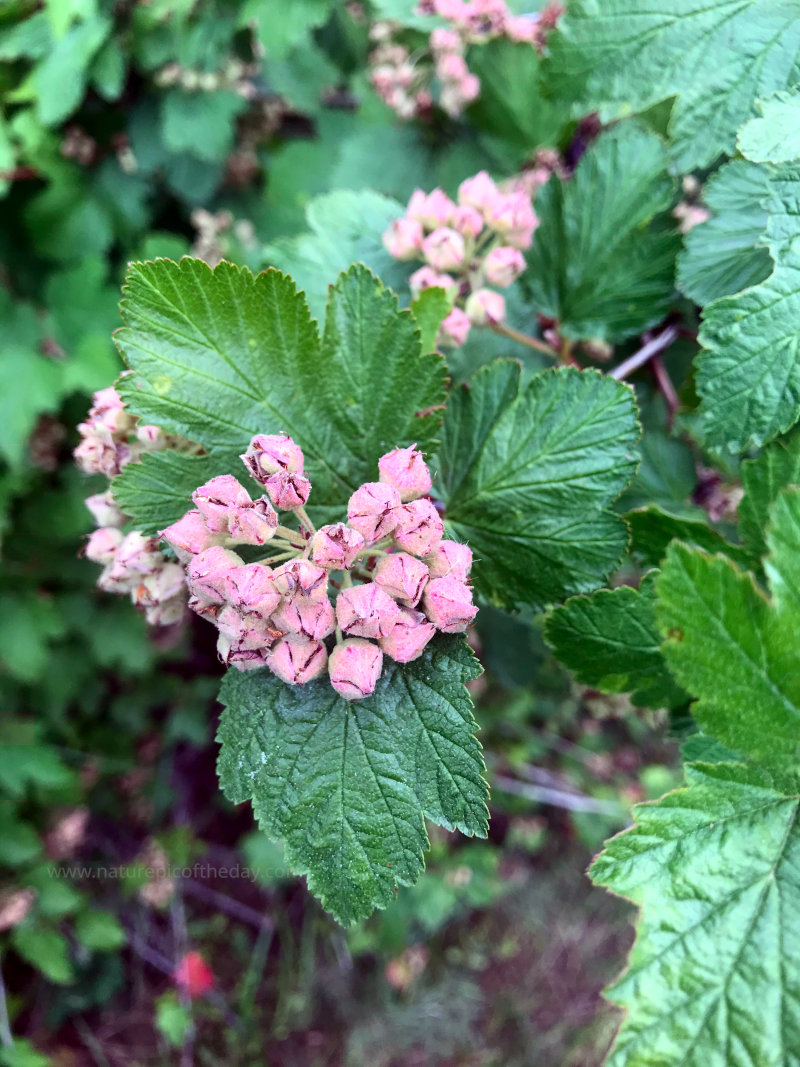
[(163, 127)]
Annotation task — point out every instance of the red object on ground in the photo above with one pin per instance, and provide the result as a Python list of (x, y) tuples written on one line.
[(193, 974)]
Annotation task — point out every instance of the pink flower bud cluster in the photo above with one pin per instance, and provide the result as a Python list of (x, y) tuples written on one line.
[(132, 563), (467, 246), (112, 438), (406, 82), (335, 599)]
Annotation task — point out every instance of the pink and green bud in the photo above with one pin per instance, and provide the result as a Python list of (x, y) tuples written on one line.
[(444, 249), (503, 266), (166, 612), (137, 554), (302, 615), (297, 659), (409, 636), (403, 239), (401, 576), (108, 411), (420, 528), (165, 583), (354, 668), (405, 470), (301, 576), (269, 453), (478, 192), (288, 491), (253, 523), (105, 510), (242, 659), (373, 510), (448, 604), (454, 330), (485, 307), (428, 278), (432, 210), (103, 544), (251, 588), (450, 559), (467, 221), (209, 575), (189, 536), (217, 499), (336, 546), (366, 611)]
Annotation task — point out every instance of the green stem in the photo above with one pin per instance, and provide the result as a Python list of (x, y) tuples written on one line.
[(303, 517), (291, 536), (523, 338)]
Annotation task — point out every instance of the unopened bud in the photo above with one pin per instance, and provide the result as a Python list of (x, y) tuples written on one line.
[(419, 529), (403, 239), (366, 611), (467, 221), (485, 307), (354, 667), (251, 588), (253, 523), (444, 249), (301, 576), (373, 510), (243, 659), (216, 499), (432, 210), (402, 577), (105, 510), (409, 636), (448, 604), (288, 491), (189, 536), (454, 330), (450, 559), (302, 615), (103, 544), (269, 453), (208, 574), (477, 192), (406, 471), (297, 659), (137, 554), (428, 278), (503, 266), (336, 546)]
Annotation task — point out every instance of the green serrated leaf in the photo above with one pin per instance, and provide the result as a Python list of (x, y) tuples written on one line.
[(763, 478), (733, 648), (652, 529), (201, 124), (528, 475), (345, 227), (714, 56), (430, 307), (748, 375), (346, 785), (714, 976), (723, 256), (60, 80), (603, 255), (773, 137), (610, 640), (221, 355)]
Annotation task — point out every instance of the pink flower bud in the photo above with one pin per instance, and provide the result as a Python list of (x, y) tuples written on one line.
[(297, 659), (302, 615), (478, 192), (208, 575), (512, 215), (454, 330), (451, 67), (522, 29), (253, 523), (409, 636), (406, 471), (135, 556), (269, 453), (403, 239), (240, 658), (448, 604), (152, 438), (469, 88), (372, 510), (366, 611), (336, 546), (301, 576), (108, 411), (247, 632), (432, 210), (450, 559), (165, 583), (428, 278), (251, 588), (105, 510), (503, 266), (443, 40), (217, 498), (485, 307), (97, 452), (166, 612), (103, 544), (420, 528), (354, 667), (189, 536), (467, 221), (402, 577), (288, 491), (444, 249)]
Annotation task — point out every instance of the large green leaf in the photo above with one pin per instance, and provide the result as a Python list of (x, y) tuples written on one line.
[(714, 976), (345, 785), (762, 479), (715, 56), (748, 377), (603, 255), (221, 355), (610, 640), (723, 255), (733, 648), (652, 529), (528, 475)]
